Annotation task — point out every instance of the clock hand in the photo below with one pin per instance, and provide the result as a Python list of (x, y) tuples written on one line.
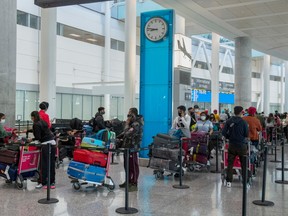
[(152, 29)]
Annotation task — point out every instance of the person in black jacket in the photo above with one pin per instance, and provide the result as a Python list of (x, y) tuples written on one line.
[(236, 130), (43, 134), (98, 122)]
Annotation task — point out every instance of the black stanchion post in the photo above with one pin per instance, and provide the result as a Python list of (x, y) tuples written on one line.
[(48, 200), (281, 168), (275, 149), (282, 181), (264, 202), (180, 186), (244, 195), (126, 209)]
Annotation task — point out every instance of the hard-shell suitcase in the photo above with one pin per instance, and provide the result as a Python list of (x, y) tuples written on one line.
[(200, 158), (164, 164), (90, 157), (10, 170), (86, 172), (8, 156), (91, 142), (200, 149), (165, 153), (164, 140)]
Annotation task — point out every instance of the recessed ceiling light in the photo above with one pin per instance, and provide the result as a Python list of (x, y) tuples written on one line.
[(74, 35), (91, 39)]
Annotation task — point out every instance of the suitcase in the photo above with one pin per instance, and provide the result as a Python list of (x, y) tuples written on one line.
[(164, 164), (200, 149), (165, 153), (200, 158), (164, 140), (90, 142), (86, 172), (90, 157), (12, 172), (200, 137), (8, 156)]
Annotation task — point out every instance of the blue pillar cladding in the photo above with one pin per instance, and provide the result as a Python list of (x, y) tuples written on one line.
[(156, 66)]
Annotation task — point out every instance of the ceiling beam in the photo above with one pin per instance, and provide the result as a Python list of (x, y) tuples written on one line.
[(256, 17), (240, 4), (263, 27)]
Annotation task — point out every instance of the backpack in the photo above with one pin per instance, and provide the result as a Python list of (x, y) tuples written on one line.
[(230, 128)]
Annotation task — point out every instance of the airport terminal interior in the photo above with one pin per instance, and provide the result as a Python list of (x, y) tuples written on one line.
[(169, 61)]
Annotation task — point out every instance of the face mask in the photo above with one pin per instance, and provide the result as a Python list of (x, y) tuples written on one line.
[(197, 110), (2, 121), (179, 113), (103, 112), (203, 118)]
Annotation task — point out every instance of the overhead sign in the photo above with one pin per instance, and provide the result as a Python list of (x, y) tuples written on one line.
[(58, 3), (205, 97), (197, 83)]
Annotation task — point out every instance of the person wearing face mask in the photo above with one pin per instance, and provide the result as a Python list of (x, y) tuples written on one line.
[(98, 122), (182, 122), (193, 118), (3, 132), (204, 124)]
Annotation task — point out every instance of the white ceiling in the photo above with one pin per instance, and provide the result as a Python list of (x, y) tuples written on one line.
[(264, 21)]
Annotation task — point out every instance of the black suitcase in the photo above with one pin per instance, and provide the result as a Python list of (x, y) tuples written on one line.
[(165, 153), (164, 140), (164, 164)]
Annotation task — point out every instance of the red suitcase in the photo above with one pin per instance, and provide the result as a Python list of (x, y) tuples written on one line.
[(90, 157), (8, 156)]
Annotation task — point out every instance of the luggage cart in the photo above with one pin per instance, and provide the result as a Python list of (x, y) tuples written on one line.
[(27, 166)]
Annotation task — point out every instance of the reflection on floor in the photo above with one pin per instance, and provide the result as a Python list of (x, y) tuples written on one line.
[(206, 195)]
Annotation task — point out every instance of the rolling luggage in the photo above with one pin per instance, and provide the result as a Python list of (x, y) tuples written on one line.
[(8, 156), (200, 158), (90, 142), (199, 136), (164, 140), (165, 153), (90, 157), (86, 172), (163, 164), (12, 172), (200, 149)]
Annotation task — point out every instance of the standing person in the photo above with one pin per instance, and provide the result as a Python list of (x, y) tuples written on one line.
[(132, 137), (98, 122), (3, 132), (43, 134), (217, 117), (182, 122), (197, 112), (236, 130), (204, 124), (223, 116), (193, 118), (270, 123), (43, 112), (254, 126)]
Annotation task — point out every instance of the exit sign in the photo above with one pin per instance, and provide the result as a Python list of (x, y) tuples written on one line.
[(57, 3)]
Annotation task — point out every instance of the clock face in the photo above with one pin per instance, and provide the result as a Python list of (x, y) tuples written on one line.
[(156, 29)]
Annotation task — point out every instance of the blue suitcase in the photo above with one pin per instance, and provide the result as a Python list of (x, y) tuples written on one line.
[(12, 172), (91, 142), (86, 172)]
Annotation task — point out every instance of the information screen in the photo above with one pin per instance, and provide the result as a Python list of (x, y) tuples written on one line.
[(57, 3)]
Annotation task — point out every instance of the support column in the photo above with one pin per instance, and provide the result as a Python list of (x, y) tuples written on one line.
[(282, 89), (266, 78), (243, 72), (215, 72), (107, 59), (130, 55), (8, 11), (286, 87), (47, 82)]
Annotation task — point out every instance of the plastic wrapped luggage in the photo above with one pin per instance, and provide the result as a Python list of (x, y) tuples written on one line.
[(199, 158), (86, 172), (90, 142), (90, 157), (199, 136), (165, 153), (200, 149), (8, 156), (164, 140), (163, 164)]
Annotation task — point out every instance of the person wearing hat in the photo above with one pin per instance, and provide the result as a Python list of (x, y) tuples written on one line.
[(42, 113), (254, 126), (236, 130)]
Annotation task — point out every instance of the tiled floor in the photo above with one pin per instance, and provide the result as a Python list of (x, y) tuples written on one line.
[(206, 196)]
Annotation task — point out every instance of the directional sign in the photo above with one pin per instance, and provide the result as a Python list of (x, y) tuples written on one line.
[(57, 3)]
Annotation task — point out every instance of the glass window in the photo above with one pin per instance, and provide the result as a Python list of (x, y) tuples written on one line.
[(97, 102), (77, 106), (120, 109), (20, 105), (87, 107), (31, 102), (34, 21), (113, 44), (114, 107), (22, 19), (121, 46), (66, 106), (58, 106)]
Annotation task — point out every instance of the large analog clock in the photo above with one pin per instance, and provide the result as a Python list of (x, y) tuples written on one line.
[(156, 29)]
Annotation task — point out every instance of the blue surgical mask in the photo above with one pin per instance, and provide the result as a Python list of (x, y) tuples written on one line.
[(2, 121)]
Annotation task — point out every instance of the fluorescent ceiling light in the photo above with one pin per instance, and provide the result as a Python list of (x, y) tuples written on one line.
[(91, 39), (74, 35)]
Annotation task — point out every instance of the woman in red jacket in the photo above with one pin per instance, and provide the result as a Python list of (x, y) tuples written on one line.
[(42, 113)]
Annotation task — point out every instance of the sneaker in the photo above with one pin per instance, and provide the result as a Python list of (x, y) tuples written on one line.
[(228, 184), (208, 163), (133, 188), (52, 186), (39, 186), (123, 185)]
